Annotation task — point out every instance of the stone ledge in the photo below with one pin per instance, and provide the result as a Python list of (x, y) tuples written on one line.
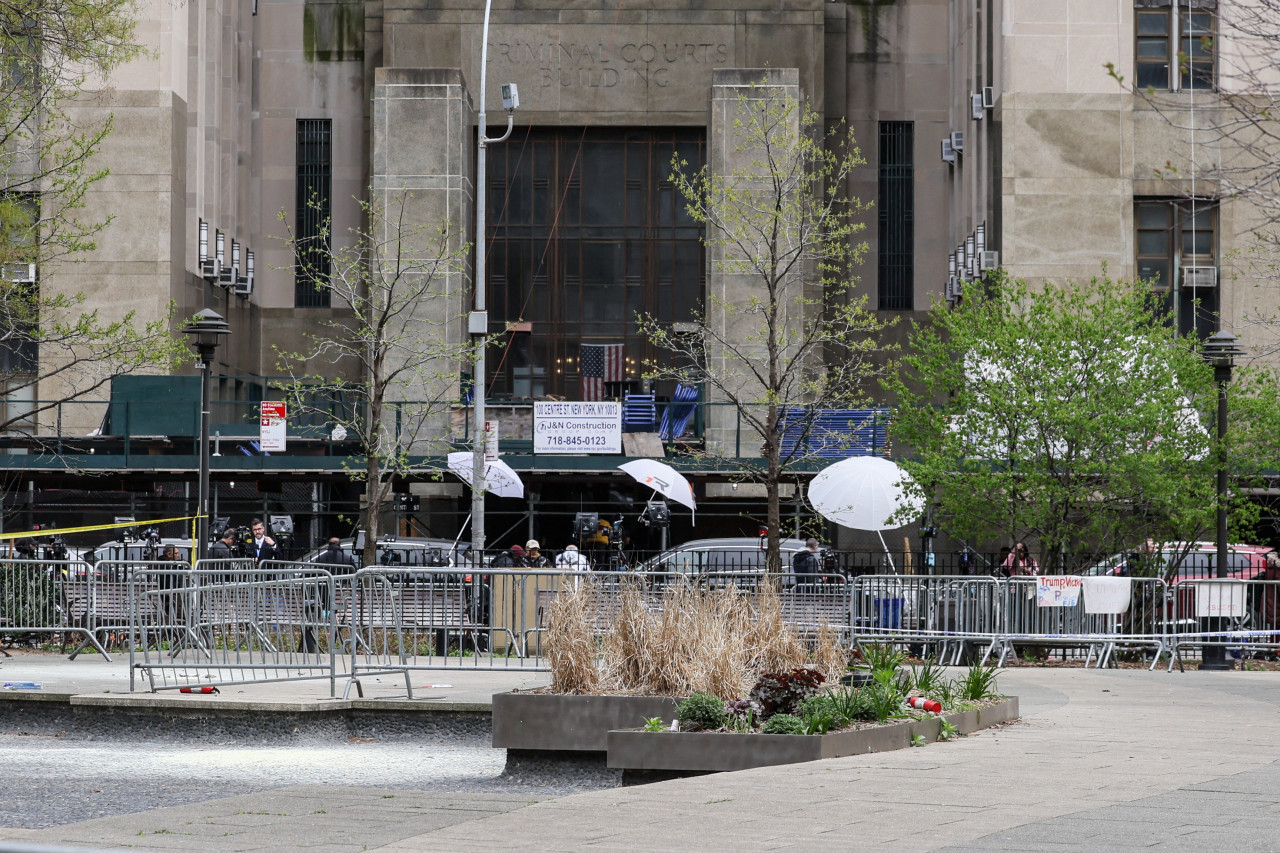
[(553, 722), (701, 752)]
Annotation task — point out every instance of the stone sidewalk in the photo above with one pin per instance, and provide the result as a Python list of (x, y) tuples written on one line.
[(1103, 760)]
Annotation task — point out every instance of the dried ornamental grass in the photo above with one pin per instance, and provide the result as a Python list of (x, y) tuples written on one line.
[(571, 647), (676, 642), (628, 659)]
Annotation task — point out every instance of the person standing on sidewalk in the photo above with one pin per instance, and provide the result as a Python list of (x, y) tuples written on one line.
[(1020, 563)]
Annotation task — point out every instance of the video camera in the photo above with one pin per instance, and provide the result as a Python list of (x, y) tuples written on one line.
[(242, 537), (55, 550)]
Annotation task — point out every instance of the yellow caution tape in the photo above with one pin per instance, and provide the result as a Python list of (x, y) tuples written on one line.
[(59, 531)]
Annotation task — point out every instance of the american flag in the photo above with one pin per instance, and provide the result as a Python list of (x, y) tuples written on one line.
[(601, 363)]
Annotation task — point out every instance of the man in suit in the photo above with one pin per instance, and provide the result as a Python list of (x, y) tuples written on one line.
[(264, 547)]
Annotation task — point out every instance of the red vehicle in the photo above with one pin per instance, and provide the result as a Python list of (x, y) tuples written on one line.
[(1180, 561)]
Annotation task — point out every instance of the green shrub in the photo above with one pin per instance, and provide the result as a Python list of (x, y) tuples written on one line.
[(927, 677), (978, 683), (880, 656), (885, 694), (783, 724), (819, 715), (852, 703), (701, 711)]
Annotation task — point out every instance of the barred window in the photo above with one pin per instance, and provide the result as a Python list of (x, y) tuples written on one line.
[(312, 213), (895, 258)]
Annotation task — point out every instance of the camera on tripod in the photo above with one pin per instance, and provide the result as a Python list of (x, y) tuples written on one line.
[(56, 549)]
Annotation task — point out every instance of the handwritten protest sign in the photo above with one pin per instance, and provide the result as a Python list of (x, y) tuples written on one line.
[(1058, 591)]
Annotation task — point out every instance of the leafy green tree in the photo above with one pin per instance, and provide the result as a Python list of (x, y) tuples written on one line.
[(788, 330), (52, 54), (1073, 416), (385, 365)]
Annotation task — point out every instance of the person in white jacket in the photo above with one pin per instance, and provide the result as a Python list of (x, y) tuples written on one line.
[(573, 560)]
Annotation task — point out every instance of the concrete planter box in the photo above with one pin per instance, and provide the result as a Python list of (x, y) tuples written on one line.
[(556, 722), (701, 752)]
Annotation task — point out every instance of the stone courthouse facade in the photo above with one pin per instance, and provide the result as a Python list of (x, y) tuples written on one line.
[(993, 133), (989, 127)]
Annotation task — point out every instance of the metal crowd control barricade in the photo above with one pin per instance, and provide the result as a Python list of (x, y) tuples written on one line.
[(1027, 621), (104, 603), (231, 622), (34, 598), (1242, 615), (967, 617), (941, 615), (406, 620), (805, 607)]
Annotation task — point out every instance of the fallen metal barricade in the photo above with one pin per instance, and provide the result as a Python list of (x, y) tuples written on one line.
[(231, 622), (33, 598)]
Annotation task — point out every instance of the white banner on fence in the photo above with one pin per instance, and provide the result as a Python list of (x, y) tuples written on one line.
[(574, 427), (1107, 595), (1058, 591), (1220, 599)]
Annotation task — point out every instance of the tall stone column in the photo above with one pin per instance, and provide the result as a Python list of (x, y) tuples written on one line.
[(727, 154), (422, 140)]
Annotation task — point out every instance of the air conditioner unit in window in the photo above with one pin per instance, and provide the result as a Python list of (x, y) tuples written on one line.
[(226, 274), (948, 153), (990, 260), (954, 291), (208, 264), (244, 283), (21, 273), (989, 96), (975, 106), (1199, 276), (957, 140)]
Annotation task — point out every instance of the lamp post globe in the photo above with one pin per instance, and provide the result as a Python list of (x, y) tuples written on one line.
[(1220, 351), (206, 331)]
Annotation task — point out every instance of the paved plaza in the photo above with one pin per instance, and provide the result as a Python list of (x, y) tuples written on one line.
[(1102, 760)]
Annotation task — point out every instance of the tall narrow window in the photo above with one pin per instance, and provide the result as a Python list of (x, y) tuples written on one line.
[(1177, 256), (896, 254), (312, 212)]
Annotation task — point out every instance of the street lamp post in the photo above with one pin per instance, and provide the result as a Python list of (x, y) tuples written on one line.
[(206, 330), (478, 322), (1221, 351)]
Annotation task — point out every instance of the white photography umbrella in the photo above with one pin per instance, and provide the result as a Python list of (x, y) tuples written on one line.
[(863, 492), (665, 481), (662, 478), (499, 479)]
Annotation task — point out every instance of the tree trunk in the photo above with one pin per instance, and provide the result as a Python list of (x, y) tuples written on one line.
[(773, 518), (372, 508)]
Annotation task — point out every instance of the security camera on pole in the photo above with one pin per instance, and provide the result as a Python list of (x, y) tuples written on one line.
[(478, 322)]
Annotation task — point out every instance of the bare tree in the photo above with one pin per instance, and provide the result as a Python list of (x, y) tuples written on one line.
[(787, 329), (396, 337)]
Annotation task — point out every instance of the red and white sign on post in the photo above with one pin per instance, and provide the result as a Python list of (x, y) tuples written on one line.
[(271, 422)]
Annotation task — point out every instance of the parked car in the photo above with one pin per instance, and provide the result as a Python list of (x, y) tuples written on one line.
[(405, 552), (735, 558), (1193, 560)]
